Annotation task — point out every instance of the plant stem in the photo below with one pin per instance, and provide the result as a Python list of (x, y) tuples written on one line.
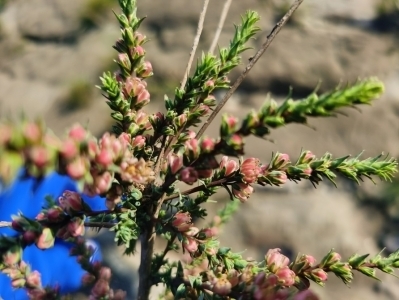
[(276, 29), (195, 44), (223, 16), (147, 248)]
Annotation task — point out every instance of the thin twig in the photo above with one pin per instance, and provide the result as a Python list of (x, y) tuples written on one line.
[(5, 224), (218, 31), (195, 44), (248, 68)]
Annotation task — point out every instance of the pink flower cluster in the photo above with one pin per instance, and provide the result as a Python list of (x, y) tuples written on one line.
[(191, 235), (22, 277)]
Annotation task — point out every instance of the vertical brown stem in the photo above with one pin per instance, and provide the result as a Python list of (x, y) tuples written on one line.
[(147, 249)]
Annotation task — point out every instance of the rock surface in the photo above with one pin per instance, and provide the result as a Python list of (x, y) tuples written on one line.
[(44, 49)]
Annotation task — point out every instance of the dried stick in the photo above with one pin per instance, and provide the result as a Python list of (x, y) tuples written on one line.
[(223, 16), (276, 29), (195, 44)]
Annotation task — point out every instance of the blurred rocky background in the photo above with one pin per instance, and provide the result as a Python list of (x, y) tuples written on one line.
[(52, 52)]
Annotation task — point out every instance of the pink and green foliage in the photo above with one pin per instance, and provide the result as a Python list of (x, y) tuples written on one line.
[(137, 166)]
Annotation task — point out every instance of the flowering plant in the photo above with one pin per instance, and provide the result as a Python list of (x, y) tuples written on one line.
[(137, 169)]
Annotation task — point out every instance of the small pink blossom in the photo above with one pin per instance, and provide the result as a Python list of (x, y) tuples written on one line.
[(228, 165), (250, 170), (286, 276), (192, 148), (210, 232), (77, 133), (207, 145), (32, 132), (145, 70), (242, 191), (307, 157), (192, 231), (182, 221), (175, 162), (320, 275), (46, 239), (100, 289), (71, 202), (190, 244), (138, 142), (281, 160), (69, 148), (275, 260), (188, 175), (222, 286), (76, 227), (40, 156), (77, 168), (33, 280)]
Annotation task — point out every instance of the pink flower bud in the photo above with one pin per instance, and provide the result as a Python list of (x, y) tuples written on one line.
[(143, 98), (145, 70), (138, 142), (222, 286), (192, 231), (133, 87), (124, 61), (139, 38), (307, 157), (228, 165), (71, 202), (210, 101), (40, 156), (207, 145), (46, 239), (69, 149), (280, 160), (125, 138), (319, 275), (307, 171), (188, 175), (190, 244), (76, 227), (33, 280), (105, 157), (192, 148), (275, 260), (55, 214), (29, 237), (250, 170), (231, 122), (203, 110), (180, 120), (137, 52), (77, 133), (236, 141), (210, 232), (100, 289), (191, 134), (105, 273), (182, 221), (175, 163), (210, 83), (32, 132), (286, 276), (242, 191), (77, 168)]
